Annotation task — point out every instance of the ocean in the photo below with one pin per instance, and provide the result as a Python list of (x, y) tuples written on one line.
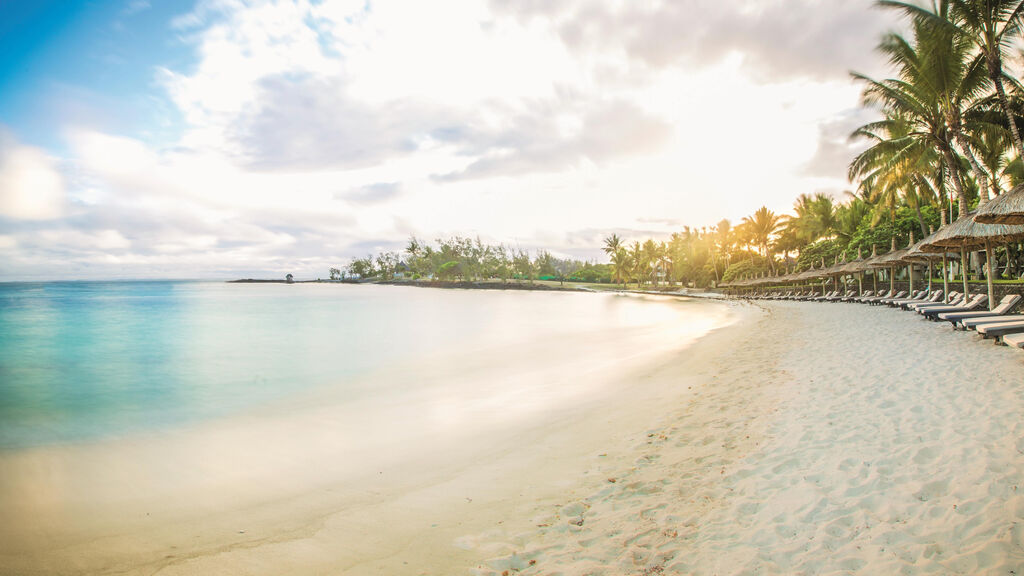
[(84, 362)]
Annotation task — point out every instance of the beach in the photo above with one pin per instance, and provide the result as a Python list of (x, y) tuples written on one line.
[(795, 438)]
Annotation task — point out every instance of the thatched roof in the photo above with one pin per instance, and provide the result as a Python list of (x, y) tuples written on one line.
[(967, 233), (838, 268), (917, 253), (808, 274), (853, 266), (1003, 209), (889, 259)]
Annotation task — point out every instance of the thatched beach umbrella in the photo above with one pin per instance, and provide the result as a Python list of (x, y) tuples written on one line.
[(809, 274), (838, 271), (1003, 209), (869, 264), (890, 260), (856, 267), (966, 234), (916, 253)]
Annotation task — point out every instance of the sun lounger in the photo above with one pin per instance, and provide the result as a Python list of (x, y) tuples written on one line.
[(955, 299), (839, 296), (854, 298), (1006, 305), (867, 299), (933, 298), (809, 296), (973, 323), (919, 295), (1014, 340), (926, 298), (976, 301), (1001, 328), (878, 301)]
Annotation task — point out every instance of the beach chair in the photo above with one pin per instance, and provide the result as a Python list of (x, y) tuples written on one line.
[(1005, 306), (878, 301), (973, 323), (1014, 340), (915, 296), (826, 296), (854, 298), (955, 299), (842, 297), (867, 299), (933, 298), (976, 301), (1001, 328)]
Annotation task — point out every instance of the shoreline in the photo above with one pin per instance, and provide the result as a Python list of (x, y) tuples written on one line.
[(207, 507), (499, 285), (800, 438)]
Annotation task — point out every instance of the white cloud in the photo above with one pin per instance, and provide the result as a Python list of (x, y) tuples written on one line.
[(31, 186), (315, 131)]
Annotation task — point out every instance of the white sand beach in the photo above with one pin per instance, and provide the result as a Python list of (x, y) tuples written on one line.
[(804, 438), (828, 439)]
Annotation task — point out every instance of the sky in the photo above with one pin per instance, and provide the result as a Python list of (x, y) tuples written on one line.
[(231, 138)]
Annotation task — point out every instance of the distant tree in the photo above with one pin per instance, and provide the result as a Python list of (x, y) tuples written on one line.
[(362, 268), (522, 265)]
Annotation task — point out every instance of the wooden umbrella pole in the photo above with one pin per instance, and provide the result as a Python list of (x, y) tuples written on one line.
[(988, 274), (963, 269), (945, 279)]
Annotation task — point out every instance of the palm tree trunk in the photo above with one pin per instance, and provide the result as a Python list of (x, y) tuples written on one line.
[(995, 71), (979, 172), (954, 175)]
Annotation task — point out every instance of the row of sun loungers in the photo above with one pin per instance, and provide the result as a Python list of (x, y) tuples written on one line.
[(964, 312)]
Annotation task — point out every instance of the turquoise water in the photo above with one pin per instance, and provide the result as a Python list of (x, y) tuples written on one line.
[(81, 361)]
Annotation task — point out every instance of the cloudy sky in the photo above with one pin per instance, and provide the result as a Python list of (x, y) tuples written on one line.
[(149, 139)]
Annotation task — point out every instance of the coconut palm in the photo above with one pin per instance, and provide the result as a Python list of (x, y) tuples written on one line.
[(762, 226), (621, 264), (991, 26), (612, 244), (937, 82)]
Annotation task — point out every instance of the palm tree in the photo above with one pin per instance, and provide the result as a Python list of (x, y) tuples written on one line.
[(801, 225), (849, 217), (762, 226), (992, 26), (612, 244), (636, 260), (929, 98), (823, 210), (621, 264)]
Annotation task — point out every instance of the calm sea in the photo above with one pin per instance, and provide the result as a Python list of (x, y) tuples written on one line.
[(81, 361)]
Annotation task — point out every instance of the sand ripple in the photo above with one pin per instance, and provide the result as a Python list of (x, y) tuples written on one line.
[(836, 439)]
